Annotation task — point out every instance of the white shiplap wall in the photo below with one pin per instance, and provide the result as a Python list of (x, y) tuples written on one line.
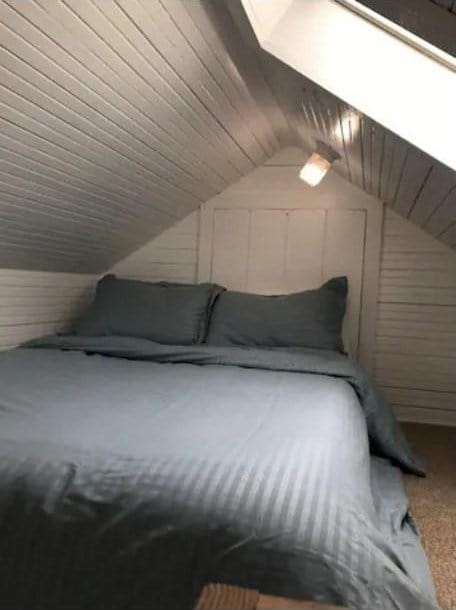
[(172, 256), (275, 185), (416, 320), (258, 236), (416, 328), (35, 303)]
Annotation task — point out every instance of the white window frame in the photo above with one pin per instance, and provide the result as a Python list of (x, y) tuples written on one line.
[(405, 35)]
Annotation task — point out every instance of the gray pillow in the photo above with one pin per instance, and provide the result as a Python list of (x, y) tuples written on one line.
[(175, 314), (304, 319)]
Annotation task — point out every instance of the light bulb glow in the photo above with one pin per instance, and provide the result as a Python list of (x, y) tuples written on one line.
[(314, 169)]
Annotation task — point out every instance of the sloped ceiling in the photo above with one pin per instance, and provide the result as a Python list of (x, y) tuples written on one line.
[(372, 157), (406, 85), (118, 117)]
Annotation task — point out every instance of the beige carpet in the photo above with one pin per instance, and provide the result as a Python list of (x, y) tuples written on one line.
[(433, 504)]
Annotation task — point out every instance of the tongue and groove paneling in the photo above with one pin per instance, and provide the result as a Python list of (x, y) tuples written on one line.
[(172, 256), (34, 303), (372, 157), (415, 354), (118, 118), (416, 326)]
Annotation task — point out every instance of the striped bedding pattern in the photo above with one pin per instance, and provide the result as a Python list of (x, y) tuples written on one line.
[(131, 482)]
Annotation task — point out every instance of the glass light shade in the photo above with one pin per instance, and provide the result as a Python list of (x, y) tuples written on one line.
[(314, 170)]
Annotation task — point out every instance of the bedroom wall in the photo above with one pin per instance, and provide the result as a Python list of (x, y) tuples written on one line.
[(416, 326), (38, 303), (276, 185), (171, 256), (416, 316)]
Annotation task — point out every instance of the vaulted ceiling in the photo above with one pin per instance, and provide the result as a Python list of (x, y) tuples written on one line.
[(372, 157), (118, 117)]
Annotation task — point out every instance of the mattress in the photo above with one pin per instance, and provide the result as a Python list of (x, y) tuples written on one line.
[(132, 474)]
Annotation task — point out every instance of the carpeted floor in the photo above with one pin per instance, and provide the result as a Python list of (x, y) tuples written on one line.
[(433, 504)]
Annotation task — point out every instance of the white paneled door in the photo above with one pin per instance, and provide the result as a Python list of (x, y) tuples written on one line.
[(270, 233), (274, 251)]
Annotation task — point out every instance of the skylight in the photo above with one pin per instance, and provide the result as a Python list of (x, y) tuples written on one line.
[(426, 30), (374, 65)]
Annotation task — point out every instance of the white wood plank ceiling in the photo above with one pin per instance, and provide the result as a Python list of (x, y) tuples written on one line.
[(372, 157), (119, 117)]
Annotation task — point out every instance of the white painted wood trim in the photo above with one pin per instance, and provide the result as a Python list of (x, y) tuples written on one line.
[(372, 256), (400, 32), (205, 245)]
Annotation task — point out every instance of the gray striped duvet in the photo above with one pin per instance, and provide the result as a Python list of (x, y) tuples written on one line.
[(132, 474)]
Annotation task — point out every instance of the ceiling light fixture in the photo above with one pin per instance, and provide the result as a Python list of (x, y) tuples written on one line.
[(318, 164)]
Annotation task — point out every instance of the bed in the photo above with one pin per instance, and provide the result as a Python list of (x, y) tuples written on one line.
[(133, 473)]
